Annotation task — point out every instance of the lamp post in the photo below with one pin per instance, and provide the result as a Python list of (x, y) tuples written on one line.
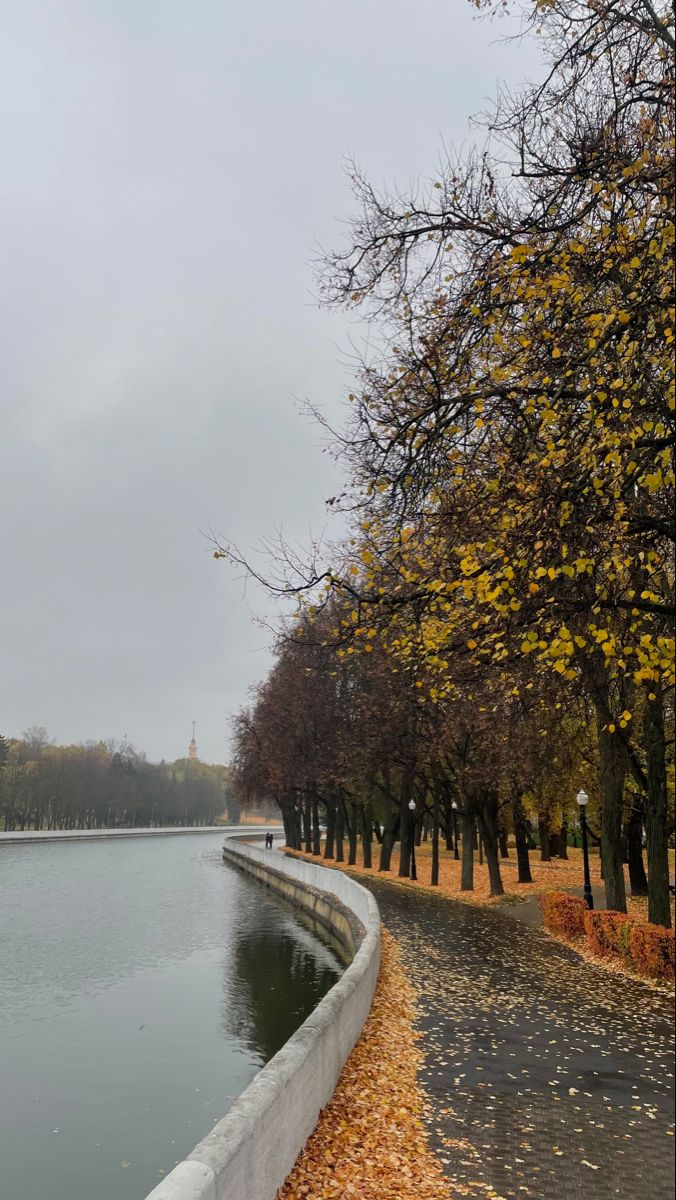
[(454, 809), (411, 809), (583, 800)]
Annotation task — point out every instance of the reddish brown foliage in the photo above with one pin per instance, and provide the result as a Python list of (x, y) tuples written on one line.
[(647, 950), (652, 951), (607, 933), (563, 914)]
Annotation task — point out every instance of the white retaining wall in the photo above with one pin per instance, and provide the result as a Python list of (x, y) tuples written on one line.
[(248, 1155)]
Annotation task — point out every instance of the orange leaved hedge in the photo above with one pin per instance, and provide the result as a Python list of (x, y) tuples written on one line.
[(646, 949), (563, 914), (608, 933), (652, 951)]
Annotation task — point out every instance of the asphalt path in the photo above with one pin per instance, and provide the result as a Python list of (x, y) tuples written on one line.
[(547, 1077)]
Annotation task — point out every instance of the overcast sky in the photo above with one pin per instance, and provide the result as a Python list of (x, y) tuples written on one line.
[(166, 170)]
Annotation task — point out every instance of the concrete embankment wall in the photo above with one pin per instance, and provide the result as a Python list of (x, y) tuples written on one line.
[(248, 1154)]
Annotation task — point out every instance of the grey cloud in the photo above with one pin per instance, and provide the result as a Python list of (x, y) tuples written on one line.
[(166, 171)]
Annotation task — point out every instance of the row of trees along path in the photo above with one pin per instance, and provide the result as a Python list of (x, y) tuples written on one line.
[(496, 626), (346, 752)]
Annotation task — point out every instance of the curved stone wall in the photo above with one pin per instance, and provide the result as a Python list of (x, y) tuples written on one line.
[(248, 1155)]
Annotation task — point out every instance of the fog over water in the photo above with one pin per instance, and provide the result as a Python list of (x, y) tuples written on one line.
[(167, 171)]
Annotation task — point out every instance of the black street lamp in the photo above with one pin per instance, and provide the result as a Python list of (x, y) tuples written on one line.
[(454, 810), (583, 800), (411, 807)]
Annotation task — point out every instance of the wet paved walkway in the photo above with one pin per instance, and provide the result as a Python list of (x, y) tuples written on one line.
[(548, 1078)]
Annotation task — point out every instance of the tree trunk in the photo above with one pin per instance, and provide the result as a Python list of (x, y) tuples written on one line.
[(291, 818), (406, 831), (287, 822), (340, 819), (352, 834), (316, 832), (659, 907), (612, 771), (435, 841), (307, 824), (330, 831), (633, 840), (366, 827), (502, 841), (405, 835), (389, 834), (563, 841), (448, 823), (293, 824), (467, 870), (543, 832), (521, 829), (488, 817)]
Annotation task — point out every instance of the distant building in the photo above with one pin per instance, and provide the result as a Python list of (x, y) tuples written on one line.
[(192, 748)]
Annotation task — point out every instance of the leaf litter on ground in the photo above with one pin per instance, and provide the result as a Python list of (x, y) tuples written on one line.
[(370, 1142)]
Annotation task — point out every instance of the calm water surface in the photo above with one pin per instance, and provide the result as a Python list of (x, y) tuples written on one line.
[(142, 985)]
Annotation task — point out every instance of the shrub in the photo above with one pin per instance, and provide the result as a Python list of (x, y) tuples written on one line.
[(651, 950), (607, 933), (563, 914), (623, 942)]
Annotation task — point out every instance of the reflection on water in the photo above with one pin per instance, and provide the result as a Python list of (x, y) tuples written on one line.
[(142, 985), (274, 980)]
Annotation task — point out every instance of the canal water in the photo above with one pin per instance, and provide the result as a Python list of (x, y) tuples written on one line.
[(142, 985)]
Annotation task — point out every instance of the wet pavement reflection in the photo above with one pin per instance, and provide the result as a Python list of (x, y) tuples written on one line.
[(547, 1077)]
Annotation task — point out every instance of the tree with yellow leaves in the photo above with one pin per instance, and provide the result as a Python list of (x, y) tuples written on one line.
[(511, 454)]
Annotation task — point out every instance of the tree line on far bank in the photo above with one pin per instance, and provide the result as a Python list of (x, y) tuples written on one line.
[(496, 629), (101, 785)]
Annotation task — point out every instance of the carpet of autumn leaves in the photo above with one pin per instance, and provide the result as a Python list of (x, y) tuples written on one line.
[(370, 1142)]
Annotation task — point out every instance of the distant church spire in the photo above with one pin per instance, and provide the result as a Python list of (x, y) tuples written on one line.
[(192, 748)]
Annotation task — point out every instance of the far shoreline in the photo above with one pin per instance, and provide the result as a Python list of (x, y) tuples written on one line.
[(18, 837)]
